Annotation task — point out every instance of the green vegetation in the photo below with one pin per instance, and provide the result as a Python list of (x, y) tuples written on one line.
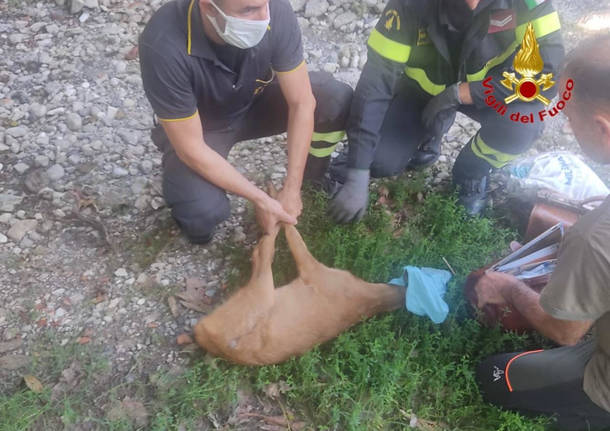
[(373, 377)]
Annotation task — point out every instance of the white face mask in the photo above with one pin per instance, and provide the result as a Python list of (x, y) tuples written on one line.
[(239, 32)]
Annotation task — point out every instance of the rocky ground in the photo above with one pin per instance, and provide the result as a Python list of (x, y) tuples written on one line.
[(88, 253)]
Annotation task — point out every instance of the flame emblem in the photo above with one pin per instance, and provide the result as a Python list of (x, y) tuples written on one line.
[(392, 20), (528, 63)]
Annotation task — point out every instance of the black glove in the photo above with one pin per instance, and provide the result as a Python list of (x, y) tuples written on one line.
[(439, 113), (349, 204)]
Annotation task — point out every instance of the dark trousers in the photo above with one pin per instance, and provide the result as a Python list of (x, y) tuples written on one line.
[(198, 205), (548, 382), (498, 141)]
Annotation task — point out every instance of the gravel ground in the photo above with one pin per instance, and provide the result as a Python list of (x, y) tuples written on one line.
[(88, 251)]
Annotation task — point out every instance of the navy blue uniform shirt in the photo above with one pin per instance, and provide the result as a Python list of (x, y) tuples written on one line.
[(182, 73)]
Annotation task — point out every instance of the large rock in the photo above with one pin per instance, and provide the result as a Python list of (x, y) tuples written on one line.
[(315, 8), (17, 132), (22, 227), (9, 201), (297, 5), (36, 180), (74, 121), (345, 18), (37, 110), (21, 168), (78, 5), (55, 172)]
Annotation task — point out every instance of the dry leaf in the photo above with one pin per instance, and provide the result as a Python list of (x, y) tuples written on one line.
[(33, 383), (184, 339), (14, 362), (10, 345), (193, 283), (189, 348), (272, 390), (100, 298), (135, 5), (83, 340), (132, 54), (173, 306), (194, 306), (382, 200), (194, 296)]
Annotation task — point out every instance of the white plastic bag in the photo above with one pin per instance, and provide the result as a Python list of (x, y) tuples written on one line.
[(561, 172)]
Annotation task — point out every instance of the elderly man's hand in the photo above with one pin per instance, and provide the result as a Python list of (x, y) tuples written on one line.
[(494, 288)]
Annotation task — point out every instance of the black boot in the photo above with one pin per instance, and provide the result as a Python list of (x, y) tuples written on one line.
[(427, 154), (472, 195), (315, 169)]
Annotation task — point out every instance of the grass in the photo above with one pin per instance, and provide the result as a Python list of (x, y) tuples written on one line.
[(373, 377)]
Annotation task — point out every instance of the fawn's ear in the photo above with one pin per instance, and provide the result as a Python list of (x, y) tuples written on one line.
[(271, 190)]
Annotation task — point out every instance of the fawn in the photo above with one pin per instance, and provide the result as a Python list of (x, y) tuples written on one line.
[(261, 325)]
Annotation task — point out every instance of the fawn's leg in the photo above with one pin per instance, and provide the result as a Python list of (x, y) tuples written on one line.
[(262, 258), (306, 263), (239, 315)]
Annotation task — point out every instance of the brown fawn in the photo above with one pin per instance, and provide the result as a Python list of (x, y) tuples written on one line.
[(260, 324)]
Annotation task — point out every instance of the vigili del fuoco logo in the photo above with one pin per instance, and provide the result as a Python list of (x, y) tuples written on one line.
[(529, 87)]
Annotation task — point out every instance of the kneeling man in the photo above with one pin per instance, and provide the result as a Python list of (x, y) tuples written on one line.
[(221, 71)]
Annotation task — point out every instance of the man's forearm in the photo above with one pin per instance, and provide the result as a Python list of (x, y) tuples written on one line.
[(372, 98), (300, 129), (214, 168), (527, 302)]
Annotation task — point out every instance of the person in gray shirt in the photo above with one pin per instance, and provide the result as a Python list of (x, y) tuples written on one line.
[(571, 383)]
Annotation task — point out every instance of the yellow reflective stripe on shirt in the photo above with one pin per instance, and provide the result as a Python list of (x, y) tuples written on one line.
[(389, 48), (424, 82), (481, 74), (543, 26), (495, 158), (188, 26), (177, 119), (330, 137), (322, 152)]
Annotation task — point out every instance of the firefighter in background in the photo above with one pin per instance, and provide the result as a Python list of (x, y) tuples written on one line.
[(428, 59)]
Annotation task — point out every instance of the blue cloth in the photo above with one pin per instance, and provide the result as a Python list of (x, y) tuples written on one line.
[(425, 291)]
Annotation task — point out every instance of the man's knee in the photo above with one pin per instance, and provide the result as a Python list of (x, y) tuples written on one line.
[(491, 379), (198, 218), (387, 167), (333, 101), (392, 156), (509, 136), (493, 148)]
